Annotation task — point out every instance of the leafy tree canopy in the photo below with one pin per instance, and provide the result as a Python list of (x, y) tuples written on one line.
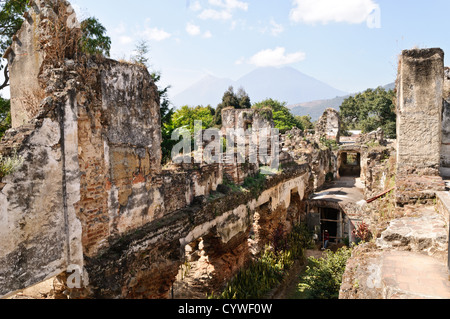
[(238, 100), (306, 121), (369, 111), (5, 116), (186, 116), (94, 39), (282, 116)]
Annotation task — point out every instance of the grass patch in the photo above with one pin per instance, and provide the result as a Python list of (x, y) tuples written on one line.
[(322, 278), (10, 164), (268, 271)]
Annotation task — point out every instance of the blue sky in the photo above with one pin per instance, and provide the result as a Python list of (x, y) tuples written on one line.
[(349, 44)]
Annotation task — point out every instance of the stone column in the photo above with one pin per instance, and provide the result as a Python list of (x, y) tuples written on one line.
[(419, 111)]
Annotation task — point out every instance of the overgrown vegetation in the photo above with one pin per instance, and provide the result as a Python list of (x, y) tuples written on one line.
[(238, 100), (10, 164), (266, 272), (329, 143), (5, 116), (369, 111), (323, 276), (282, 116)]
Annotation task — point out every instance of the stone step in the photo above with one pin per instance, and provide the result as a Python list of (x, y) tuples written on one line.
[(406, 275), (423, 231)]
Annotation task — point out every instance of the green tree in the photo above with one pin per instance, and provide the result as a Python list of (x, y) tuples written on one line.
[(306, 121), (140, 57), (11, 18), (186, 116), (94, 39), (141, 51), (5, 116), (238, 100), (282, 116), (369, 111)]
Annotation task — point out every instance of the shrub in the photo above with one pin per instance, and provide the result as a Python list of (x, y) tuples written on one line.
[(363, 232), (264, 274), (9, 165), (324, 276)]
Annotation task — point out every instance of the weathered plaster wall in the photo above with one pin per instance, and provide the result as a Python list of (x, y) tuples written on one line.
[(39, 230), (419, 111), (145, 263), (445, 149), (40, 234), (329, 126)]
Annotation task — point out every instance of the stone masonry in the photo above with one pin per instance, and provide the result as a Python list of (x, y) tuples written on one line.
[(92, 193), (419, 110)]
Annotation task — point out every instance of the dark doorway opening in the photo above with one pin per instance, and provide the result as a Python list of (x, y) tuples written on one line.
[(350, 164), (330, 220)]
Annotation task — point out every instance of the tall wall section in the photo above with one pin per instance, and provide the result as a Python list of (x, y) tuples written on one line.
[(420, 86), (91, 191), (445, 150), (419, 111)]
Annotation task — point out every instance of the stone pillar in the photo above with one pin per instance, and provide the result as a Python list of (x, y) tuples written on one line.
[(445, 149), (329, 126), (419, 111)]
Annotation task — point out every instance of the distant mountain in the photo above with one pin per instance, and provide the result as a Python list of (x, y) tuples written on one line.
[(284, 84), (315, 109), (208, 91)]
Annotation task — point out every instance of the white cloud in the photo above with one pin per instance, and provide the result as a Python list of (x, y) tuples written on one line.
[(125, 40), (224, 9), (276, 28), (192, 29), (240, 61), (207, 35), (326, 11), (120, 29), (230, 4), (155, 34), (211, 14), (276, 57), (195, 6)]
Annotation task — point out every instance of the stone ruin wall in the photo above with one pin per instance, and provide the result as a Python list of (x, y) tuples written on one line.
[(92, 158), (92, 192), (329, 126), (445, 150), (419, 111), (421, 143)]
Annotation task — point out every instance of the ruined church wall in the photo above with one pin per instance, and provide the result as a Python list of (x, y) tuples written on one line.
[(419, 111), (40, 235), (329, 126), (39, 230), (25, 60), (445, 149), (120, 152), (145, 263)]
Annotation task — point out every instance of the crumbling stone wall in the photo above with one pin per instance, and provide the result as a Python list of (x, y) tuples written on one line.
[(323, 160), (92, 192), (420, 86), (445, 150), (329, 126), (40, 234), (419, 111)]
